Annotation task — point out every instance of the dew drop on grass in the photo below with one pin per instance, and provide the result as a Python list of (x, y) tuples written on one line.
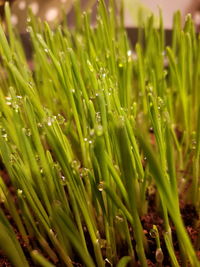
[(28, 29), (12, 158), (63, 180), (57, 166), (84, 172), (60, 119), (8, 100), (103, 243), (101, 186), (76, 164), (153, 233), (119, 218), (27, 131), (90, 66), (129, 53), (50, 120), (92, 132), (52, 232), (57, 203), (37, 158), (19, 192), (99, 130), (4, 134), (151, 129), (98, 117), (46, 50), (40, 125)]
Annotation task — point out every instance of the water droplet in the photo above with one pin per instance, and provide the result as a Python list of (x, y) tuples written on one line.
[(19, 192), (129, 53), (46, 50), (99, 130), (101, 186), (51, 231), (92, 132), (153, 233), (8, 100), (4, 134), (37, 158), (119, 218), (29, 28), (12, 158), (85, 139), (57, 203), (103, 243), (73, 91), (121, 118), (90, 142), (50, 120), (27, 131), (60, 119), (75, 164), (90, 66), (63, 180), (40, 125), (84, 172), (98, 117)]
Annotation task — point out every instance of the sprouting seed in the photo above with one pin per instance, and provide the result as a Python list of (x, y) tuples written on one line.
[(159, 255)]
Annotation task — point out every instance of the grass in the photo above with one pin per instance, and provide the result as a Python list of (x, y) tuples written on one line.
[(76, 141)]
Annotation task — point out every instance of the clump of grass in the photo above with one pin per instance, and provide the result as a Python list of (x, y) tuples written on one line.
[(76, 140)]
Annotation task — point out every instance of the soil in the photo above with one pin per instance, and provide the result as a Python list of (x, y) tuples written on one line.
[(152, 217)]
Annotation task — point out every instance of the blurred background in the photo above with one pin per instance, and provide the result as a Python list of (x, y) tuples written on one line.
[(51, 10)]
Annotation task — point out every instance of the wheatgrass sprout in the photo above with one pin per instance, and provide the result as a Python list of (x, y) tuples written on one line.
[(96, 139)]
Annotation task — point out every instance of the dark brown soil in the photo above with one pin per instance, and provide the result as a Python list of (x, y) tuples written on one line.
[(152, 217)]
